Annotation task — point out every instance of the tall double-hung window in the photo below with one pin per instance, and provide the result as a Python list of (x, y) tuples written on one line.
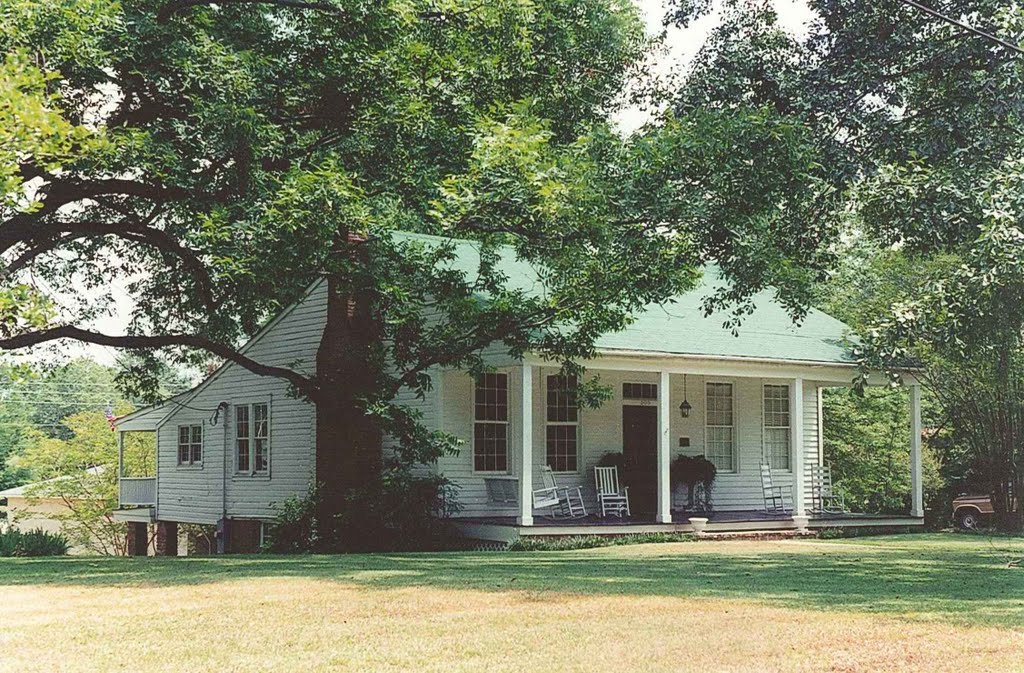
[(252, 438), (720, 426), (490, 423), (776, 426), (563, 424)]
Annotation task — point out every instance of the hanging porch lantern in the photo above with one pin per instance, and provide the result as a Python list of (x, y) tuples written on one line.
[(685, 407)]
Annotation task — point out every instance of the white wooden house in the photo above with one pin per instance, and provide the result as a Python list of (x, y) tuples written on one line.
[(238, 445)]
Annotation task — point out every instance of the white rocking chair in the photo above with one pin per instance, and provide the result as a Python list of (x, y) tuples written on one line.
[(824, 499), (561, 502), (774, 496), (610, 497)]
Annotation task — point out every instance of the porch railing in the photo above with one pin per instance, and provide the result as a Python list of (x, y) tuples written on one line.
[(138, 491)]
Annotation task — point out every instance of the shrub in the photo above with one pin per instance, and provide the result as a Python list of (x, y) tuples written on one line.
[(612, 459), (594, 541), (33, 543), (403, 512), (294, 530), (698, 474)]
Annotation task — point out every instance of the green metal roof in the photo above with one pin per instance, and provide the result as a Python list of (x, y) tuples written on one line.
[(679, 326)]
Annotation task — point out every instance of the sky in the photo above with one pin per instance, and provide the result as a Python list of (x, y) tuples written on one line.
[(681, 45), (678, 48)]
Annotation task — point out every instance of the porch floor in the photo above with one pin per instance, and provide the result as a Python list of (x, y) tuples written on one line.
[(505, 528)]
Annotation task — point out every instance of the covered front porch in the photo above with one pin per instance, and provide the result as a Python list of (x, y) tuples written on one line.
[(742, 414)]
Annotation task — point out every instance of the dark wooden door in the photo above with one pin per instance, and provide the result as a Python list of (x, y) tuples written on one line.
[(640, 455)]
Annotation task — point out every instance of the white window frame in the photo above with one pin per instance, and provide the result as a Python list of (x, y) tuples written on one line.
[(504, 423), (765, 453), (191, 444), (251, 425), (572, 424), (707, 426)]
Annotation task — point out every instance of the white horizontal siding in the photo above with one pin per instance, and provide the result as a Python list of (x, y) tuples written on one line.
[(202, 495)]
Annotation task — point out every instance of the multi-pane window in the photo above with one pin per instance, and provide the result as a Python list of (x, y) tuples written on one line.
[(562, 423), (490, 427), (640, 391), (190, 444), (720, 432), (252, 438), (776, 426)]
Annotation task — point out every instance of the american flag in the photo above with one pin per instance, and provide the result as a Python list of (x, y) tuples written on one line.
[(109, 413)]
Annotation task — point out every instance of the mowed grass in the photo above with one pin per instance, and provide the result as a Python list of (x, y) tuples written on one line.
[(913, 603)]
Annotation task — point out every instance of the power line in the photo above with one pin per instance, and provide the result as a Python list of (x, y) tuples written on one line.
[(961, 24)]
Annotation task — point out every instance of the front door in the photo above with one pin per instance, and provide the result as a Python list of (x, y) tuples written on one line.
[(640, 457)]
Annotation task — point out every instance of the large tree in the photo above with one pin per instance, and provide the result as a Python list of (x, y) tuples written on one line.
[(920, 116), (223, 156)]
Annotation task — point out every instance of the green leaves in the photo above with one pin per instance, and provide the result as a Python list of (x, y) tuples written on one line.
[(33, 130)]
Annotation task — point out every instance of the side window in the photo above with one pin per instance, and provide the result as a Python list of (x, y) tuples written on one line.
[(252, 438), (190, 444)]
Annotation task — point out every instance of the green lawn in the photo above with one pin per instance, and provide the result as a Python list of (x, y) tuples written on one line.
[(910, 596)]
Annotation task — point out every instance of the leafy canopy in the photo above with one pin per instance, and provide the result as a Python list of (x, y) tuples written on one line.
[(220, 156)]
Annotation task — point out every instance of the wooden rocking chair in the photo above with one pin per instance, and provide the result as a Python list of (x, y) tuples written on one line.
[(824, 499), (774, 496), (611, 498), (561, 502)]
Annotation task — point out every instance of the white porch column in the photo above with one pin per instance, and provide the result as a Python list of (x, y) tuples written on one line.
[(796, 434), (120, 454), (916, 473), (526, 447), (664, 511), (120, 463)]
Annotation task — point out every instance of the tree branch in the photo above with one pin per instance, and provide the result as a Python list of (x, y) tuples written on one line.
[(302, 383), (60, 192), (156, 238)]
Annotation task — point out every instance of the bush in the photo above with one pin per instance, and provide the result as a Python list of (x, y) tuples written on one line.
[(33, 543), (403, 512), (612, 459), (698, 474), (294, 530), (594, 541)]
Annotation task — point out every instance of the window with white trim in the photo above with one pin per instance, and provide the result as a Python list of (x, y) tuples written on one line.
[(562, 423), (720, 430), (640, 391), (490, 426), (776, 426), (190, 444), (252, 438)]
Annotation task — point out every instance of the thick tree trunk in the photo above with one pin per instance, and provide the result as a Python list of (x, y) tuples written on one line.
[(348, 441)]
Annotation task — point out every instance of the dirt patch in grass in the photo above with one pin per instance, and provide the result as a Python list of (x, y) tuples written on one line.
[(311, 625)]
